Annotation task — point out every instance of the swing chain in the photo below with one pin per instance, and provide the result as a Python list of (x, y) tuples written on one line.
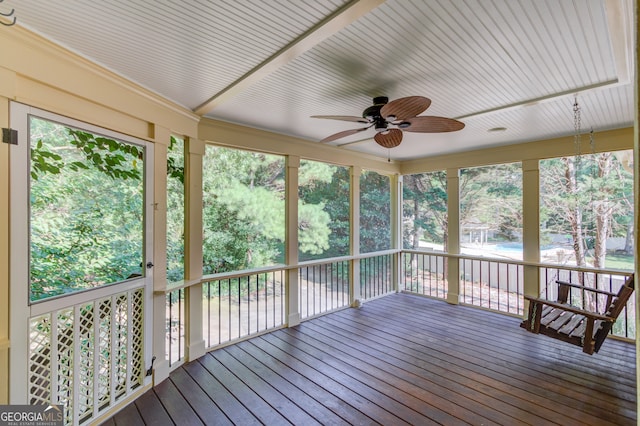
[(576, 124)]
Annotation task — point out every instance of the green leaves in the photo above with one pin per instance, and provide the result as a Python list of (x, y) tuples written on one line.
[(117, 160), (86, 210)]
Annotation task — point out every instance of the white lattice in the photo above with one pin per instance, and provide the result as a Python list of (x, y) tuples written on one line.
[(137, 348), (89, 356), (40, 360), (86, 355), (120, 346), (104, 354), (65, 370)]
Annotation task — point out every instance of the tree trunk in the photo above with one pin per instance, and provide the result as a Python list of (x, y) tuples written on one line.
[(603, 209), (574, 210), (628, 242)]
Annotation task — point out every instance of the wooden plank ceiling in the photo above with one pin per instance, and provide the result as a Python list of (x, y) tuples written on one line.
[(271, 64)]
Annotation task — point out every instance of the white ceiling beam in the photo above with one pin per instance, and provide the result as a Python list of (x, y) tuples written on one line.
[(324, 29), (620, 26)]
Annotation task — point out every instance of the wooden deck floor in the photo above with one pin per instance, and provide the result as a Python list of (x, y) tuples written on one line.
[(399, 359)]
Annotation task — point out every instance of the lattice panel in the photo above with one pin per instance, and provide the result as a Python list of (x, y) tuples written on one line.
[(104, 354), (137, 339), (86, 355), (120, 345), (65, 372), (40, 360)]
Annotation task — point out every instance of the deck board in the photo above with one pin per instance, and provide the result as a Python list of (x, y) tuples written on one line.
[(400, 359)]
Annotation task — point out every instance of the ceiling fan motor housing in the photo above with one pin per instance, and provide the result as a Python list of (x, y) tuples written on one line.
[(373, 112)]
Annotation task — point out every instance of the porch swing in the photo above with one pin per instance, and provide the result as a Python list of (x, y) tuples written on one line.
[(560, 319)]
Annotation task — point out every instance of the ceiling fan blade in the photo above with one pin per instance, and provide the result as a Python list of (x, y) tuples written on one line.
[(389, 138), (404, 108), (342, 117), (342, 134), (431, 124)]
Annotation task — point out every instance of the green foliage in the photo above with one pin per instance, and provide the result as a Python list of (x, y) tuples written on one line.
[(425, 209), (323, 212), (117, 160), (175, 210), (589, 198), (492, 196), (175, 160), (86, 210), (243, 209), (375, 212), (313, 228)]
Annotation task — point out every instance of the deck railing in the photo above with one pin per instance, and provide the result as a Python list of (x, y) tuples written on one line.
[(89, 355), (493, 284), (175, 339), (424, 273), (324, 287), (377, 275), (498, 284), (243, 305)]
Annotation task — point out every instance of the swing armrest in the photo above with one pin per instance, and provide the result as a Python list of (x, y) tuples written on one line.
[(569, 308), (581, 287)]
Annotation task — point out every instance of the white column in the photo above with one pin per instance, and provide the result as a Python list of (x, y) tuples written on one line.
[(194, 152), (291, 240), (161, 364), (354, 245), (396, 228), (453, 239), (531, 226)]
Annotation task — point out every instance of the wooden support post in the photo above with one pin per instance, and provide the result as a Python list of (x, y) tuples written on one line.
[(396, 229), (453, 238), (531, 227), (194, 152), (161, 365), (354, 246), (291, 238)]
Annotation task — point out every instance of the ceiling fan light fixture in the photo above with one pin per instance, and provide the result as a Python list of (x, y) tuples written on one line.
[(381, 125)]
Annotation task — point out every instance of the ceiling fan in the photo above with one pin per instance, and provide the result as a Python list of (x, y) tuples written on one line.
[(390, 119)]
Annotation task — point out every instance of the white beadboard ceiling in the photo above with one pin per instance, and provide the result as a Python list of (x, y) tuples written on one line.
[(271, 64)]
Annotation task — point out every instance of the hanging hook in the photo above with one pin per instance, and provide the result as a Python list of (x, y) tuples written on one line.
[(6, 15)]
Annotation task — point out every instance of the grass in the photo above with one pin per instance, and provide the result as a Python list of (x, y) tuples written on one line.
[(619, 261)]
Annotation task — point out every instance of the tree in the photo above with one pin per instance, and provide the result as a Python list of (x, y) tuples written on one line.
[(589, 198), (375, 212), (425, 209), (175, 210), (325, 187), (86, 212), (244, 214)]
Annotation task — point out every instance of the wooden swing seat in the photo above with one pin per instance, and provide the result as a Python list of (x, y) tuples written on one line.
[(561, 320)]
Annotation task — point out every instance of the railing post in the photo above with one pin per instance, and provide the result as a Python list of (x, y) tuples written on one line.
[(291, 238), (453, 235), (354, 242), (531, 227), (195, 344)]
